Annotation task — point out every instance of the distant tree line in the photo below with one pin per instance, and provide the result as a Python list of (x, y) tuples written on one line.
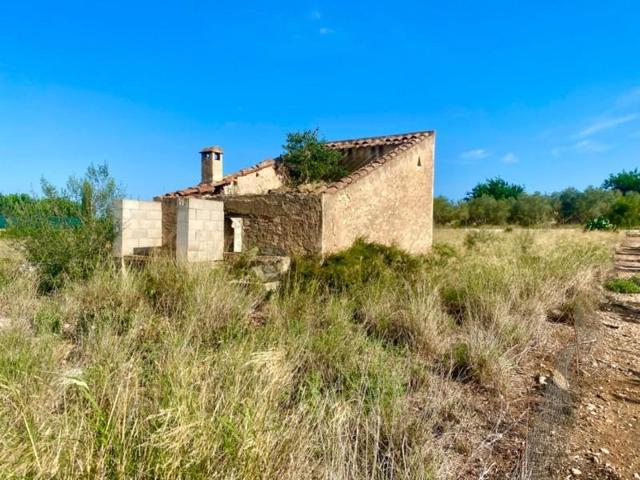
[(13, 204), (497, 202)]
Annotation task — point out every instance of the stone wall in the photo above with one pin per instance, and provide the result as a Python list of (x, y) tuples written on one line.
[(169, 223), (138, 226), (255, 183), (393, 204), (278, 223), (200, 230)]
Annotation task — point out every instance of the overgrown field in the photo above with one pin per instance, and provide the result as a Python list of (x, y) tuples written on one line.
[(361, 367)]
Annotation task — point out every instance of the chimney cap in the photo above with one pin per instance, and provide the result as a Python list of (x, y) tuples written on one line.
[(214, 148)]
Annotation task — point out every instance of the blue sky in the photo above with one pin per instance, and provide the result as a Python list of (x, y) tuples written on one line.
[(541, 93)]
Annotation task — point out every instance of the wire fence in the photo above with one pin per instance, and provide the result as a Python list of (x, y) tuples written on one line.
[(547, 437)]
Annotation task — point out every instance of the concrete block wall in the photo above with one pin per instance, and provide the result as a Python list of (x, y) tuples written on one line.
[(200, 230), (138, 225)]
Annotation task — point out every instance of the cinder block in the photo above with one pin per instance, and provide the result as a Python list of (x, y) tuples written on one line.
[(145, 205), (215, 205), (196, 225), (130, 204), (137, 232), (203, 215), (155, 215)]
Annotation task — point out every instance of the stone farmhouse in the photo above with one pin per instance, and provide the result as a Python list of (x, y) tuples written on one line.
[(387, 197)]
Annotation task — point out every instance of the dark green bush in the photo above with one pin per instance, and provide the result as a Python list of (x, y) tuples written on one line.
[(599, 223), (361, 263), (441, 254), (625, 211)]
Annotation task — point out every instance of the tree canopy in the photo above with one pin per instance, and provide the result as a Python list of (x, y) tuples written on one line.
[(497, 188), (625, 181), (308, 159)]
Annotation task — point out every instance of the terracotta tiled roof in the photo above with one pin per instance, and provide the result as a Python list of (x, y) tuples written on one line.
[(212, 188), (400, 142), (397, 139), (403, 141)]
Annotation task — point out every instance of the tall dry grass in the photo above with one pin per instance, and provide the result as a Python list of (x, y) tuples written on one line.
[(169, 372)]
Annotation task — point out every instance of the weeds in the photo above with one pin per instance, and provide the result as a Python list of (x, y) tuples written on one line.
[(624, 285), (359, 369)]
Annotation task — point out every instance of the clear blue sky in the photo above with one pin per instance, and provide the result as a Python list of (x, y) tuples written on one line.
[(544, 93)]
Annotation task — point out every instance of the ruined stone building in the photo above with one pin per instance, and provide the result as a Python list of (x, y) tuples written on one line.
[(387, 197)]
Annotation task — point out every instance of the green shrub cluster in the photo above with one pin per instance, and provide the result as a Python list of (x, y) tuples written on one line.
[(308, 160), (362, 263), (67, 233), (600, 223), (624, 285)]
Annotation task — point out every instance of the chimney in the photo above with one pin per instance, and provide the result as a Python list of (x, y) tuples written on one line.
[(211, 164)]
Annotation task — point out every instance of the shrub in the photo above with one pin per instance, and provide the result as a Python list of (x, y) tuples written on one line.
[(444, 211), (486, 210), (625, 211), (361, 263), (600, 223), (307, 159), (531, 210), (61, 248), (623, 285)]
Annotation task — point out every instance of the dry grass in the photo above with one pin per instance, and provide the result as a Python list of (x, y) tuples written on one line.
[(7, 251), (164, 373), (544, 236)]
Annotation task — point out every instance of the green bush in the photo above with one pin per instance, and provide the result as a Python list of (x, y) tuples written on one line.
[(444, 211), (486, 210), (361, 263), (625, 211), (62, 249), (624, 285), (308, 159), (600, 223), (531, 210)]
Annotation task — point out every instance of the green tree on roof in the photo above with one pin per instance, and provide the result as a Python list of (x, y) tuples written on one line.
[(309, 160)]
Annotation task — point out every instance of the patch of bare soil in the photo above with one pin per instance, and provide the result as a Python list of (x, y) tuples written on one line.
[(605, 441), (573, 411)]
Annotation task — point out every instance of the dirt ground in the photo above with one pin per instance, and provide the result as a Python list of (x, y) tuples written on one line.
[(605, 440)]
